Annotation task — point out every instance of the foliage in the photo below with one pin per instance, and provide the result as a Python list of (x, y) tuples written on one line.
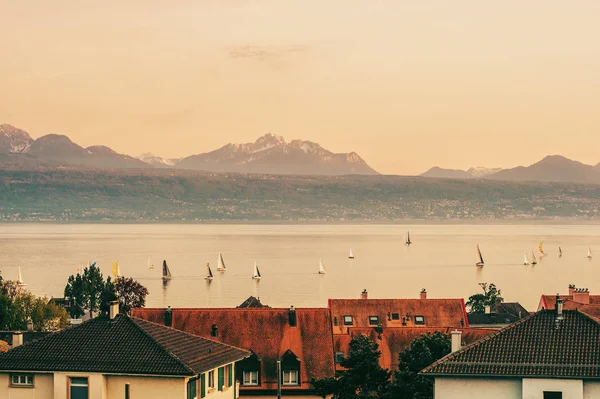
[(490, 297), (131, 294), (363, 377), (423, 351)]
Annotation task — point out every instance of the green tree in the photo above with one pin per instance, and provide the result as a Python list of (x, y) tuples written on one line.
[(490, 297), (74, 290), (363, 377), (423, 351), (86, 289), (131, 294)]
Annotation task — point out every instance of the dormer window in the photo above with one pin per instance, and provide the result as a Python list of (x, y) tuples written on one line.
[(395, 316), (373, 320), (339, 357), (250, 377), (348, 320), (248, 370), (290, 366), (419, 319)]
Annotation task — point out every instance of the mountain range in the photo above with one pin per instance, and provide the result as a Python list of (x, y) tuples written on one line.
[(269, 154), (553, 168)]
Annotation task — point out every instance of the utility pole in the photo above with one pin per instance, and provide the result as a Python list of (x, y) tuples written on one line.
[(279, 379)]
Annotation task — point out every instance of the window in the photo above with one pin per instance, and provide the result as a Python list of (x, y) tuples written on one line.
[(78, 388), (348, 321), (373, 320), (395, 316), (250, 378), (221, 378), (290, 377), (228, 378), (203, 385), (127, 395), (552, 395), (211, 379), (22, 380), (191, 388), (339, 356), (419, 319)]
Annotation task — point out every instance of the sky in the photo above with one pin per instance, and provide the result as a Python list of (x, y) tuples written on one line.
[(405, 84)]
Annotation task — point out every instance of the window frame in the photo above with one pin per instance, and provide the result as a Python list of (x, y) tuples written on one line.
[(420, 322), (552, 394), (346, 323), (29, 380), (289, 372), (375, 318), (338, 357), (250, 373), (79, 385), (395, 316), (211, 380)]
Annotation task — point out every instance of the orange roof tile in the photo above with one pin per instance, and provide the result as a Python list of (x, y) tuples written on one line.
[(4, 346), (436, 312), (395, 339), (548, 302), (267, 333)]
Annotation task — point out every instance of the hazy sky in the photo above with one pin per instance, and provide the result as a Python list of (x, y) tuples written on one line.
[(406, 84)]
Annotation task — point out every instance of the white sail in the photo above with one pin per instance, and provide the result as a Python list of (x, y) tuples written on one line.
[(150, 265), (221, 263), (351, 256), (256, 274), (534, 260), (589, 253), (321, 267), (209, 275), (525, 260), (19, 277)]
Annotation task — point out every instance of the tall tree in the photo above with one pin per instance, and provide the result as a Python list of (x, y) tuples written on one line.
[(131, 294), (423, 351), (490, 297), (363, 378), (86, 289)]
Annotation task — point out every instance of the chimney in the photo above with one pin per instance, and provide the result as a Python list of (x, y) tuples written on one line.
[(582, 296), (169, 317), (488, 309), (292, 316), (17, 339), (456, 340), (29, 325), (214, 331), (559, 308), (423, 293), (114, 309), (571, 290), (364, 294)]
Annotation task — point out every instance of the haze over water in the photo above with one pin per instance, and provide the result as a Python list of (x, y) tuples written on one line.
[(441, 259)]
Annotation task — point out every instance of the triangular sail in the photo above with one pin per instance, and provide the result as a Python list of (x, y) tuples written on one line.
[(560, 251), (351, 255), (541, 247), (525, 260), (589, 252), (116, 272), (166, 271), (534, 260), (19, 277), (208, 271), (256, 271), (321, 267), (480, 255), (408, 237), (221, 263)]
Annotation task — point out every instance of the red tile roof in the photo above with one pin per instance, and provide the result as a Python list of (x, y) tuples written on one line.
[(4, 346), (395, 339), (267, 333), (436, 312), (537, 346)]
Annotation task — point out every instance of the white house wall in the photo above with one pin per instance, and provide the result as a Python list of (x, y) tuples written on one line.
[(43, 388), (461, 388), (591, 389), (533, 388)]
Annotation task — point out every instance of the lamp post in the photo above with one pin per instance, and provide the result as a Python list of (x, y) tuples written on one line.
[(279, 379)]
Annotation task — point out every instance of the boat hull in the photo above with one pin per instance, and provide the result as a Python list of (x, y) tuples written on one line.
[(480, 264)]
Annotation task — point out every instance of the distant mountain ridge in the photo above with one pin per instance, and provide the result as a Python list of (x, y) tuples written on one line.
[(553, 168), (269, 154)]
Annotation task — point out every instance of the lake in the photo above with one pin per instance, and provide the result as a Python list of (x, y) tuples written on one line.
[(441, 259)]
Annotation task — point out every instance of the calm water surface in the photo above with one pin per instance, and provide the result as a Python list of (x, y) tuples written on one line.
[(441, 259)]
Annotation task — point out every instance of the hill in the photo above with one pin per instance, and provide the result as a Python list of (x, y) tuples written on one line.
[(553, 168)]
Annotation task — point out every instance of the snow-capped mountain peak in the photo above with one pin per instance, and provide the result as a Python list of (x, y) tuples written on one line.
[(13, 140), (480, 171), (155, 160)]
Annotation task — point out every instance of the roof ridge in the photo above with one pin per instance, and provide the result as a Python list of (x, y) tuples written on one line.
[(187, 333), (130, 320), (479, 342)]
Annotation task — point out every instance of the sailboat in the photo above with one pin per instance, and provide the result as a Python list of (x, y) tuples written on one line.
[(116, 271), (256, 275), (541, 248), (525, 261), (351, 255), (150, 265), (221, 263), (481, 262), (534, 260), (209, 275), (321, 267), (589, 253), (20, 282), (166, 272), (559, 252), (408, 242)]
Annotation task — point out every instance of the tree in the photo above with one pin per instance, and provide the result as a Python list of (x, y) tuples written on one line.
[(490, 297), (131, 294), (423, 351), (363, 377), (86, 289)]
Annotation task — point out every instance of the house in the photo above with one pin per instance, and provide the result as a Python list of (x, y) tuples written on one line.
[(25, 336), (422, 312), (252, 302), (119, 357), (551, 354), (301, 339), (498, 316), (578, 298)]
